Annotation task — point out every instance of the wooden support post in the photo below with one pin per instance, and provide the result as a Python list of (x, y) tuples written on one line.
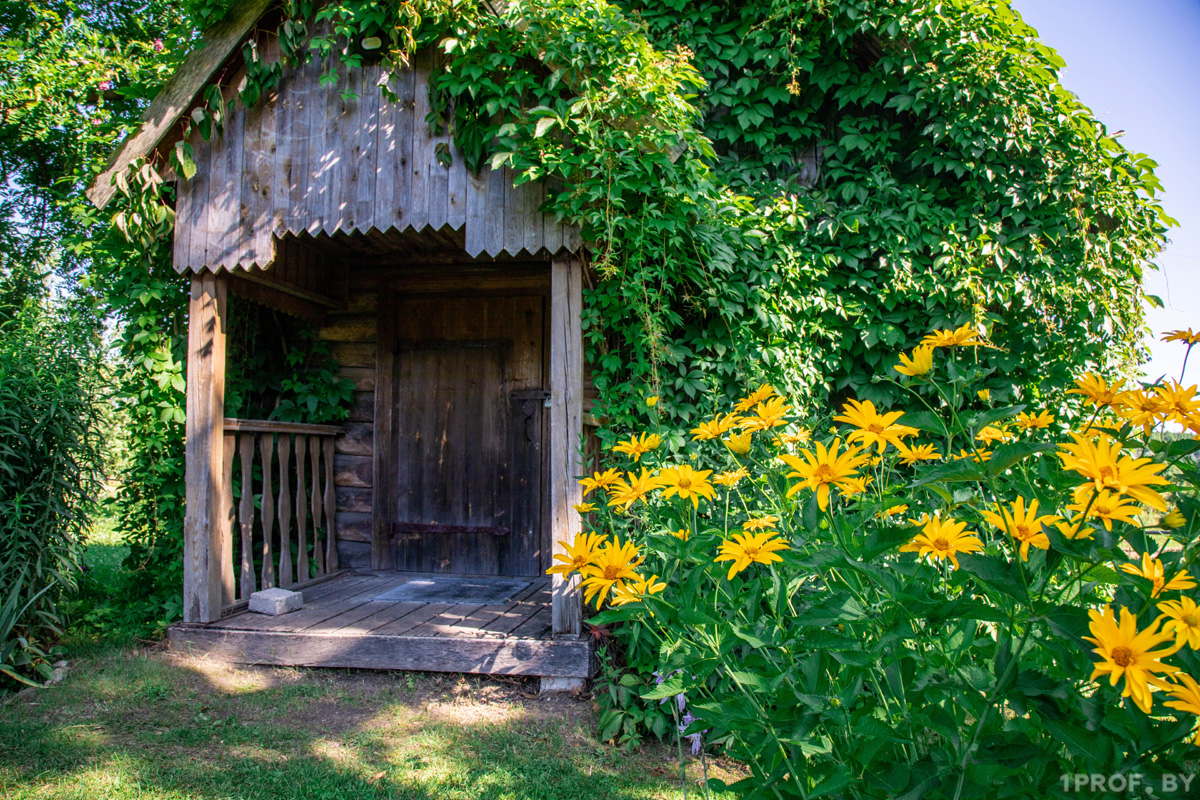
[(207, 573), (566, 427)]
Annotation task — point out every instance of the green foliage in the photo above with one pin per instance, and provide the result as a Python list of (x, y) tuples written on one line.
[(279, 370), (851, 666), (50, 456), (789, 189), (793, 189)]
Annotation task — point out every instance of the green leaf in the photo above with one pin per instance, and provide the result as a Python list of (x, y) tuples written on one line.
[(963, 469), (984, 418), (1079, 741), (832, 610), (669, 688), (544, 124), (996, 573), (925, 421), (1006, 455)]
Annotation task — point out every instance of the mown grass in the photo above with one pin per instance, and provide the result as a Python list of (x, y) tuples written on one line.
[(142, 724)]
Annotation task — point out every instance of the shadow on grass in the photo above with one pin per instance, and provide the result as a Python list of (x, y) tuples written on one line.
[(148, 725)]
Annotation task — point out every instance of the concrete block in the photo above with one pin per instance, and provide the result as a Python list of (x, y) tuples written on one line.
[(276, 601), (546, 685)]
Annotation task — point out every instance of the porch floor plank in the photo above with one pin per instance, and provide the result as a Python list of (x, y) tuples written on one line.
[(341, 625)]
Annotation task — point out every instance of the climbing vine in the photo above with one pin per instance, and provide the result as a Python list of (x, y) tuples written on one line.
[(791, 189), (780, 189)]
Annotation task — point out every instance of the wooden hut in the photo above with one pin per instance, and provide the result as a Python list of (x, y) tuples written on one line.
[(453, 304)]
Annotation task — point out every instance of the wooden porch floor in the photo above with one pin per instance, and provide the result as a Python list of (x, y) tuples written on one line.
[(341, 625)]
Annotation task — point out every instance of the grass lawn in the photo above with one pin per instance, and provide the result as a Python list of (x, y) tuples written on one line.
[(138, 723)]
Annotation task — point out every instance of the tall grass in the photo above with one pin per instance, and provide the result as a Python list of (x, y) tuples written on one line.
[(49, 468)]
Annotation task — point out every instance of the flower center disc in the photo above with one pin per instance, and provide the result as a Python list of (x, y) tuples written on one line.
[(941, 543), (1122, 656)]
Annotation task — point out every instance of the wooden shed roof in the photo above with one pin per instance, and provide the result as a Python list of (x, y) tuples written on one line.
[(219, 45), (317, 160)]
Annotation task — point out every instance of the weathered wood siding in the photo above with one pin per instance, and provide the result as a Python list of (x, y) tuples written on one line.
[(341, 158), (351, 333)]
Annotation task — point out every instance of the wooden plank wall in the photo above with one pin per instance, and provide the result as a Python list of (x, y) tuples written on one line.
[(314, 159), (352, 336)]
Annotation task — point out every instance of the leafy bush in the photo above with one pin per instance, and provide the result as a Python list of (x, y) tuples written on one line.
[(49, 459), (973, 600)]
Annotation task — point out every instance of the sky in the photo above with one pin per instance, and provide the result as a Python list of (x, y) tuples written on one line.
[(1136, 64)]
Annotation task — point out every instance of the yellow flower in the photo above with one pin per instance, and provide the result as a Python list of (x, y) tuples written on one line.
[(744, 549), (714, 428), (600, 480), (754, 398), (874, 428), (731, 478), (1178, 402), (767, 414), (683, 534), (635, 448), (967, 335), (636, 590), (1102, 463), (1152, 570), (990, 434), (1074, 529), (1140, 408), (627, 492), (1184, 619), (688, 483), (1185, 697), (1188, 337), (942, 539), (824, 468), (1095, 390), (584, 508), (611, 566), (984, 394), (853, 486), (1107, 506), (580, 554), (1022, 524), (1027, 421), (920, 363), (911, 454), (801, 436), (739, 443), (1174, 519), (652, 401), (977, 456), (761, 523), (1127, 653), (892, 511)]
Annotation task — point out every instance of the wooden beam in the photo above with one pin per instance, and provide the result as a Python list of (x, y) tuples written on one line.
[(291, 289), (277, 300), (507, 655), (566, 428), (207, 575), (384, 486), (272, 426), (220, 43)]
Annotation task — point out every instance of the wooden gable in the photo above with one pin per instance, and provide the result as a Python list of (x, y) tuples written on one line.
[(341, 158), (324, 159)]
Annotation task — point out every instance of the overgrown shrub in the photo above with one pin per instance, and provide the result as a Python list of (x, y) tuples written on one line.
[(975, 600), (50, 456)]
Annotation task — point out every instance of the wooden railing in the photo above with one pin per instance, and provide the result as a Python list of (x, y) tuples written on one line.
[(280, 504)]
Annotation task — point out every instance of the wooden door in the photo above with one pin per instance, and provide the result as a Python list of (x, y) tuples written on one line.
[(466, 436)]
